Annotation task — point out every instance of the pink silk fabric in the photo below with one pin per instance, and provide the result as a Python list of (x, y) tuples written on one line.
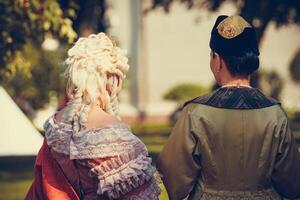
[(49, 181)]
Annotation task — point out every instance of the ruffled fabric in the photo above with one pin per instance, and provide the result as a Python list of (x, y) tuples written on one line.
[(122, 174), (115, 156), (112, 140), (107, 141), (58, 137)]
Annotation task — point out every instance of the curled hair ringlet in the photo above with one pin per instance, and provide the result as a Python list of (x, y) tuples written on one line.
[(94, 64)]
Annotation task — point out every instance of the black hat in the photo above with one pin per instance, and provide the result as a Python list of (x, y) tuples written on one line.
[(233, 36)]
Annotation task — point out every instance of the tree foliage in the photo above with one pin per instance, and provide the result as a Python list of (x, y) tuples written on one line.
[(29, 73), (295, 67), (45, 80), (90, 16), (271, 83), (259, 13), (23, 22)]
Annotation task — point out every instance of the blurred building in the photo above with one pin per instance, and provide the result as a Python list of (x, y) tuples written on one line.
[(166, 49)]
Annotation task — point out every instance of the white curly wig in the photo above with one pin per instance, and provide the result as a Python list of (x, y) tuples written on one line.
[(94, 66)]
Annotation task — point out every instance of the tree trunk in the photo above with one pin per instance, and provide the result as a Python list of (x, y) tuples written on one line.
[(259, 13), (91, 17)]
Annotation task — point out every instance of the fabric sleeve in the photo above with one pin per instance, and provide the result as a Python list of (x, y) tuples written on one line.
[(286, 171), (121, 177), (178, 162), (119, 161)]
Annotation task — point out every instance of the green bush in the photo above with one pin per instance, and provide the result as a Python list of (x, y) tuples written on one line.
[(149, 128), (185, 91)]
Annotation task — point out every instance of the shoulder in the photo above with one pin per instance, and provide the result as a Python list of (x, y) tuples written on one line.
[(200, 99), (200, 105), (106, 141), (99, 118)]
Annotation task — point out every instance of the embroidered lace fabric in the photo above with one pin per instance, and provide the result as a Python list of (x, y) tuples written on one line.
[(117, 157)]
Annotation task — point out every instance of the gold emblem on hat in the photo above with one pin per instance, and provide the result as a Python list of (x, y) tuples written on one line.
[(232, 26)]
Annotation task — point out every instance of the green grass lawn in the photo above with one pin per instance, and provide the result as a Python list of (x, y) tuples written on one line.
[(14, 184), (14, 190), (154, 143), (17, 189)]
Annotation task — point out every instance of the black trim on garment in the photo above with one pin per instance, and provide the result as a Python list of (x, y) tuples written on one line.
[(242, 98)]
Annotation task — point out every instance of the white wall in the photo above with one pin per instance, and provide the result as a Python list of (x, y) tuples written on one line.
[(278, 48), (177, 50)]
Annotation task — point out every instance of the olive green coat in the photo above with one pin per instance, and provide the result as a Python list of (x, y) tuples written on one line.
[(226, 153)]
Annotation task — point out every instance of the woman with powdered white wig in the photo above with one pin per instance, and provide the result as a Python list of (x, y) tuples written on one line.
[(88, 153)]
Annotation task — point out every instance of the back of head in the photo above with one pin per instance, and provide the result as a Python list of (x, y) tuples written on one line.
[(234, 39), (94, 67)]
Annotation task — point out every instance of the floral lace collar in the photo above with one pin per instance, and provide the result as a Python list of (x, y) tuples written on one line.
[(111, 139)]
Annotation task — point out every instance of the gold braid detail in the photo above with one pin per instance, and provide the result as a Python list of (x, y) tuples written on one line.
[(232, 26)]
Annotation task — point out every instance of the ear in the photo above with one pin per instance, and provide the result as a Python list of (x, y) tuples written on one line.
[(218, 62)]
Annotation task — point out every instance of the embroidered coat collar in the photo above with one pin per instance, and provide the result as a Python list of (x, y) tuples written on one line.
[(242, 98)]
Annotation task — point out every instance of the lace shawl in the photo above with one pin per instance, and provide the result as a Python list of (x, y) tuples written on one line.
[(116, 156)]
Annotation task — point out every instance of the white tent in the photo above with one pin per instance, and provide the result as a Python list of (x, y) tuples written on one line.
[(18, 137)]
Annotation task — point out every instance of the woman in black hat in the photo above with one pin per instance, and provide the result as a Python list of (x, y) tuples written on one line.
[(234, 143)]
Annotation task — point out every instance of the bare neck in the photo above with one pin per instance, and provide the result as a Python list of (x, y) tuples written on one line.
[(236, 81)]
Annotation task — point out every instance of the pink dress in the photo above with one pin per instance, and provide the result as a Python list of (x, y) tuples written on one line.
[(103, 163)]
